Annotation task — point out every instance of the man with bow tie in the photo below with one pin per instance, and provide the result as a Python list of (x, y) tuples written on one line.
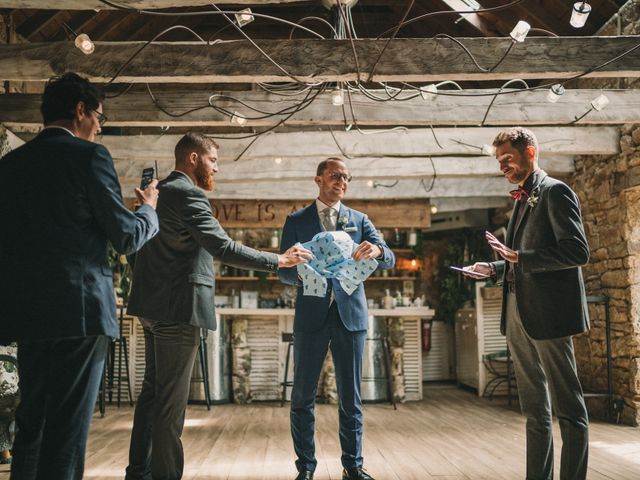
[(544, 304), (337, 320)]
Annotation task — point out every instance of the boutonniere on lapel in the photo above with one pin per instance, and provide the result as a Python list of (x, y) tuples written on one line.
[(532, 200), (344, 225)]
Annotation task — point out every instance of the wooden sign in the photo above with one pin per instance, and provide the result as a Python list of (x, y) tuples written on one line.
[(406, 213), (272, 213)]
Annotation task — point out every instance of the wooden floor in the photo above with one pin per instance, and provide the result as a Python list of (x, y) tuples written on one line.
[(451, 435)]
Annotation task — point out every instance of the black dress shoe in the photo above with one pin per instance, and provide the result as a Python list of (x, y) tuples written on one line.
[(305, 475), (356, 474)]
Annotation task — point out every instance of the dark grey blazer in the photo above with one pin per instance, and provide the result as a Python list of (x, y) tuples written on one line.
[(173, 280), (60, 202), (553, 246)]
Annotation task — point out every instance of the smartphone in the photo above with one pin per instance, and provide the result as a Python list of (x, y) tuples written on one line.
[(147, 177), (475, 274)]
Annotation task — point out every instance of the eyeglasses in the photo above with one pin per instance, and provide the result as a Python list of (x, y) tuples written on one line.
[(336, 176), (102, 118)]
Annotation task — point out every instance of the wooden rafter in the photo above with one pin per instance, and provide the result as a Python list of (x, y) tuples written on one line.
[(323, 60), (523, 108)]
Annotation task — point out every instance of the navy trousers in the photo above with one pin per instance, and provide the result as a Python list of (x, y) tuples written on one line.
[(59, 382), (309, 351)]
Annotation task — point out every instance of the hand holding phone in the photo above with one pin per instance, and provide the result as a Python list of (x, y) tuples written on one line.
[(469, 273), (147, 177)]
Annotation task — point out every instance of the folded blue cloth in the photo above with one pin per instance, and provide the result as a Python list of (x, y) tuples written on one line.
[(332, 259)]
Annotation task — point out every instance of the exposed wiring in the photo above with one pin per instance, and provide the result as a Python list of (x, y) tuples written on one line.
[(515, 80)]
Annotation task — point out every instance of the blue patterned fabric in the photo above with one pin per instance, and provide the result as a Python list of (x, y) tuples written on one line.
[(332, 259)]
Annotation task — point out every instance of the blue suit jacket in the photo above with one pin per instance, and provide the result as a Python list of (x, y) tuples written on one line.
[(311, 312), (60, 203)]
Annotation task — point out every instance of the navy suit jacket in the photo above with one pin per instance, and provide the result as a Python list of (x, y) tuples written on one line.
[(311, 312), (552, 247), (60, 203)]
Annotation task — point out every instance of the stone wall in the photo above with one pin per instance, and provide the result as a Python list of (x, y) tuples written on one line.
[(609, 191)]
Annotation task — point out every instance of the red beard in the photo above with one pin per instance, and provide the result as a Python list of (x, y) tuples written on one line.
[(204, 179)]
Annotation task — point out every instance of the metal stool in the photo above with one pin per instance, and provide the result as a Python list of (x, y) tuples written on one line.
[(491, 362), (286, 337), (204, 367), (107, 382)]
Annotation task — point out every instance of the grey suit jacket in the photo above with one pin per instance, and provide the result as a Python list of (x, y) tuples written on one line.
[(173, 279), (552, 247)]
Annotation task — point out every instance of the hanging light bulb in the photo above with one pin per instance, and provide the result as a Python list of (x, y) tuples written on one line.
[(238, 119), (337, 97), (434, 209), (370, 183), (278, 160), (429, 92), (84, 44), (520, 31), (555, 92), (488, 150), (579, 14), (243, 17), (600, 102)]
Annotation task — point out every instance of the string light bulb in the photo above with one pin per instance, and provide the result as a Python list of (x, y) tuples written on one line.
[(433, 209), (337, 97), (278, 160), (579, 14), (520, 31), (600, 102), (429, 92), (488, 150), (370, 183), (84, 44), (555, 92), (244, 16), (238, 119)]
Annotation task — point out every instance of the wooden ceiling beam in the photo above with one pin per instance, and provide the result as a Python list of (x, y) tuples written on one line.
[(132, 4), (411, 143), (523, 108), (312, 60)]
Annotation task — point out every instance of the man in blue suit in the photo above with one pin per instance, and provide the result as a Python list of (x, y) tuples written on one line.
[(337, 321), (60, 203)]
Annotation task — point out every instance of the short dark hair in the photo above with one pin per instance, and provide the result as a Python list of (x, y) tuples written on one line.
[(62, 94), (193, 142), (519, 137), (322, 166)]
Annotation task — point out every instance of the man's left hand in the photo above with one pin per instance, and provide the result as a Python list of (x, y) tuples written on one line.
[(501, 249), (365, 251)]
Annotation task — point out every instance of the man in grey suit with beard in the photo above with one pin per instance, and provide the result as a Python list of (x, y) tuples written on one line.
[(173, 294), (544, 304)]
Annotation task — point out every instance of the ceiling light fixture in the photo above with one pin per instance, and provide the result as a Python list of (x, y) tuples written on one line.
[(244, 16), (555, 92), (337, 97), (600, 102), (84, 44), (238, 119), (579, 14), (429, 92), (520, 31)]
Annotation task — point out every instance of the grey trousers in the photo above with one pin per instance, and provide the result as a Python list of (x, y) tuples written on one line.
[(546, 374), (156, 450)]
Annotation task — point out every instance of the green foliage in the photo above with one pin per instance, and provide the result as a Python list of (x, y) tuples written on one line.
[(465, 248), (122, 274)]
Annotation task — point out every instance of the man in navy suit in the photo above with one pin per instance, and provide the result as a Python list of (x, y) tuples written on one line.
[(60, 203), (337, 321)]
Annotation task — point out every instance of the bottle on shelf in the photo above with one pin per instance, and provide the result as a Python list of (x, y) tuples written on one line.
[(412, 238), (387, 300), (275, 240), (235, 299)]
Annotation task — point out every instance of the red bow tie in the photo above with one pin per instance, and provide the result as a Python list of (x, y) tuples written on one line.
[(519, 194)]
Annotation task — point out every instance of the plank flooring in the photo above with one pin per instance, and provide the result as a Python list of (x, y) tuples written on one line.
[(450, 435)]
